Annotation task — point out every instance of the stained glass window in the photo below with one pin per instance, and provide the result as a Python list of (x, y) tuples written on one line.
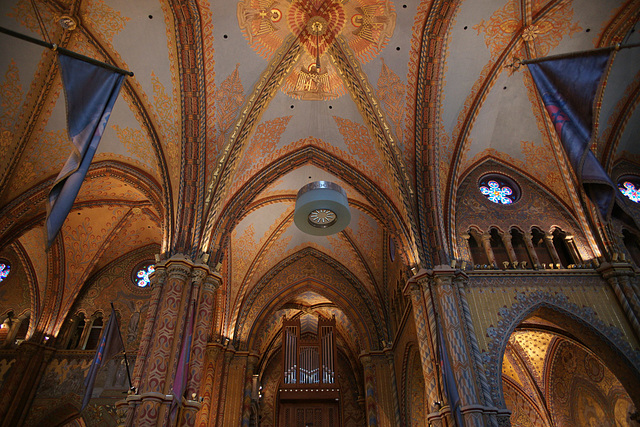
[(142, 275), (630, 189), (497, 193), (499, 189), (5, 268)]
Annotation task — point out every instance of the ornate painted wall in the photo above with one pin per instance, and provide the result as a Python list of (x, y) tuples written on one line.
[(551, 380)]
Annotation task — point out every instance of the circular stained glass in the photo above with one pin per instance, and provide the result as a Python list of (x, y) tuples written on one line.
[(499, 189), (141, 275), (5, 269), (322, 218), (630, 189)]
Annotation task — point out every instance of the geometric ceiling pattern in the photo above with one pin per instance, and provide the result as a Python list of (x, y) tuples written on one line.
[(235, 105)]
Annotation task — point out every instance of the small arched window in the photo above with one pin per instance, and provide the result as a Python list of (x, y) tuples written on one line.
[(94, 334), (76, 333), (478, 254), (560, 243)]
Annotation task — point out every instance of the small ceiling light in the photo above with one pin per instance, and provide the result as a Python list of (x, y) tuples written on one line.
[(322, 209)]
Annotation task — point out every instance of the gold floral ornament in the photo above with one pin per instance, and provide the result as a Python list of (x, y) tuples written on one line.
[(367, 26), (530, 33)]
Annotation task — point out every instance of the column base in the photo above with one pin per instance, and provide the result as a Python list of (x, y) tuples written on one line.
[(136, 409)]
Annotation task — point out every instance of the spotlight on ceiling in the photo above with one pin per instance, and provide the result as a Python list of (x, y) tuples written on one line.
[(322, 209)]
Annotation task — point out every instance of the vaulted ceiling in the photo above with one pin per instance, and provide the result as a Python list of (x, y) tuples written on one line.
[(228, 115)]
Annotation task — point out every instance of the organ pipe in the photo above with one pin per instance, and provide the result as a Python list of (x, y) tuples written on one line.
[(309, 360)]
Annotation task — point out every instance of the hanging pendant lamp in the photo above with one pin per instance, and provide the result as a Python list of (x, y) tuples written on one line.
[(322, 209)]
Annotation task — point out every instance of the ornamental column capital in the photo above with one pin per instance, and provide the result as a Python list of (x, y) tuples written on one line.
[(613, 270), (439, 276), (213, 281)]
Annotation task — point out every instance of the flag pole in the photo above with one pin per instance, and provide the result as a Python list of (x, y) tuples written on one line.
[(126, 362), (518, 62), (64, 51)]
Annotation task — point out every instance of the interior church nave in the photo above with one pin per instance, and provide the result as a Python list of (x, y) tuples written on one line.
[(324, 213)]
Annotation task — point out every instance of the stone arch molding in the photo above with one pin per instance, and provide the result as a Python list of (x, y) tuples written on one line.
[(383, 208), (366, 310), (559, 303)]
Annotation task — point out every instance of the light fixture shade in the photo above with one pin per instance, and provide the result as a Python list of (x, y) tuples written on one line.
[(322, 209)]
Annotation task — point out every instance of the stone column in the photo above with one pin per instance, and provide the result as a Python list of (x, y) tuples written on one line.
[(464, 247), (486, 244), (506, 239), (252, 361), (548, 240), (532, 251), (84, 336), (571, 245), (63, 340), (21, 382), (369, 391), (177, 284), (158, 279)]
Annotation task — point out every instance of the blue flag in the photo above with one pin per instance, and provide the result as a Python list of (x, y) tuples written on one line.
[(568, 88), (110, 345), (448, 379), (90, 92)]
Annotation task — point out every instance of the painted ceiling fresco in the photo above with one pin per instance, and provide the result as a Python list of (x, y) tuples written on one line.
[(235, 105), (549, 380)]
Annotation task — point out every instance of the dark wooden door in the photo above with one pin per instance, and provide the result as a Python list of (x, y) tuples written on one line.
[(307, 414)]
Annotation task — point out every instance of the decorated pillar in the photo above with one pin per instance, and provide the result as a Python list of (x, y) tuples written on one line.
[(394, 386), (84, 336), (422, 313), (179, 294), (448, 314), (203, 320), (532, 251), (215, 365), (465, 249), (369, 391)]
